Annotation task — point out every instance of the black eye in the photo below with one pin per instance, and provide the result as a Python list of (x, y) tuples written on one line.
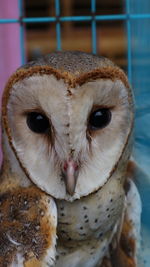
[(37, 122), (100, 118)]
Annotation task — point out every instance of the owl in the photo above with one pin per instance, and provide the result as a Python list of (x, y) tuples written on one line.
[(67, 197)]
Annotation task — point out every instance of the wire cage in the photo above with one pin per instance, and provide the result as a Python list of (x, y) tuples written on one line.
[(92, 18), (136, 20)]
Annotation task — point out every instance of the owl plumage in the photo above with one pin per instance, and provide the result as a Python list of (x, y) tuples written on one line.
[(67, 137)]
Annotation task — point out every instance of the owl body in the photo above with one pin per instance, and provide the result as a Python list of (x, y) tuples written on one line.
[(85, 228), (67, 138)]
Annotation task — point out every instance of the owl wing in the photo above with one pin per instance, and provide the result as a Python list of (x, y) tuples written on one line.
[(142, 182), (126, 252), (28, 221)]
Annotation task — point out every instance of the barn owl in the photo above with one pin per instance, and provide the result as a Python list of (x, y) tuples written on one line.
[(66, 193)]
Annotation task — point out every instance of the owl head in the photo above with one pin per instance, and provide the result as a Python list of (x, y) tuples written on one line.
[(67, 118)]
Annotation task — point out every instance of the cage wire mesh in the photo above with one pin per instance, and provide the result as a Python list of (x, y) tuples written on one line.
[(136, 18)]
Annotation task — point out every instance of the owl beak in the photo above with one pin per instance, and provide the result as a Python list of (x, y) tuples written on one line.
[(70, 174)]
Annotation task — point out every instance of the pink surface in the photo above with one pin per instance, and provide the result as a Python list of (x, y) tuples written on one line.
[(10, 57)]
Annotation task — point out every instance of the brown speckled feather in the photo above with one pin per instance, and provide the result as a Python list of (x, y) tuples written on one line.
[(26, 225)]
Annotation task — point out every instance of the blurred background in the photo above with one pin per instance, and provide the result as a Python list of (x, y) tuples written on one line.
[(117, 29), (41, 38)]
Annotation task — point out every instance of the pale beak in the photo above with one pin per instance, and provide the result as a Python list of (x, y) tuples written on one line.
[(70, 175)]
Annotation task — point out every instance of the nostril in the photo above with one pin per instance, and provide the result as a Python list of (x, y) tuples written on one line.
[(65, 167), (70, 164), (76, 167)]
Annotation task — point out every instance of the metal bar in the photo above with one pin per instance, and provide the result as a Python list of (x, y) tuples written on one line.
[(77, 18), (58, 28), (22, 43), (139, 16), (5, 21), (129, 55), (93, 24), (40, 19)]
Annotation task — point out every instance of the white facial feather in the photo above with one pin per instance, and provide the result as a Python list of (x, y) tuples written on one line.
[(42, 158)]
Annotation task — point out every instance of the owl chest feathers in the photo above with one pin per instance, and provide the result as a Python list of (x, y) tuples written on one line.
[(90, 222)]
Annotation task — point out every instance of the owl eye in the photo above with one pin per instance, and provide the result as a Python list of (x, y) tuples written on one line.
[(100, 118), (37, 122)]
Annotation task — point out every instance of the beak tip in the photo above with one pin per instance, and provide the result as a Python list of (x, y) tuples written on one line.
[(70, 174), (70, 191)]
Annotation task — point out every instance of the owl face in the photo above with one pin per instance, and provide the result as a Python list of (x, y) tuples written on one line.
[(68, 130)]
